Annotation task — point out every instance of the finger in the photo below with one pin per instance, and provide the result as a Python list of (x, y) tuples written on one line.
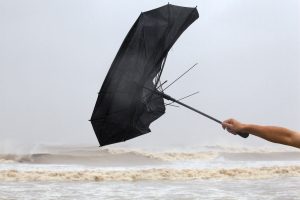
[(231, 131), (227, 121), (223, 126), (226, 125)]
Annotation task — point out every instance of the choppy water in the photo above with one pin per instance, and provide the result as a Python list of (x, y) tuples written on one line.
[(109, 173), (286, 188)]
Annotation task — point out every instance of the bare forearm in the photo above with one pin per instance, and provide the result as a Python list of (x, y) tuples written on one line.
[(274, 134)]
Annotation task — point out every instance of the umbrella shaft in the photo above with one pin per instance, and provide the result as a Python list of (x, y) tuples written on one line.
[(189, 107), (244, 135)]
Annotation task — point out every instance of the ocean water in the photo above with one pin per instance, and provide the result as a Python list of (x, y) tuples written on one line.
[(211, 172)]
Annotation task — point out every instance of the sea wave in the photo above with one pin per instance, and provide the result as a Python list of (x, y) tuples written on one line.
[(135, 156), (102, 159), (167, 156), (149, 174)]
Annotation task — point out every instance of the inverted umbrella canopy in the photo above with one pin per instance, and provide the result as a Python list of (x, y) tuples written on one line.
[(129, 99), (127, 102)]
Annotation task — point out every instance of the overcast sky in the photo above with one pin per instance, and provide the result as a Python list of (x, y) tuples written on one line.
[(54, 56)]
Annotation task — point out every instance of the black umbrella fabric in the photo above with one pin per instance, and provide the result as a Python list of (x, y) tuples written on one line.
[(128, 102), (129, 99)]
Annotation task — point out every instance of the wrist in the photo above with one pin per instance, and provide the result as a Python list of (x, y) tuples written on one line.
[(245, 128)]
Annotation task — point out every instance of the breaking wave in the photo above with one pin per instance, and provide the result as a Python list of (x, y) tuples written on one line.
[(90, 156), (149, 174), (107, 156), (125, 159)]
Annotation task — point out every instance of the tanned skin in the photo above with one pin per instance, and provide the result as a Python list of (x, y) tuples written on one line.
[(270, 133)]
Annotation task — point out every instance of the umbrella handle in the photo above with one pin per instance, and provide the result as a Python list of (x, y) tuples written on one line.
[(243, 135)]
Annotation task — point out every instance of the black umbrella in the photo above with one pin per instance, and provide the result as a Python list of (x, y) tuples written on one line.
[(129, 99)]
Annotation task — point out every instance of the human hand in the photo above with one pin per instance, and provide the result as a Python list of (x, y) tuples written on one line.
[(233, 126)]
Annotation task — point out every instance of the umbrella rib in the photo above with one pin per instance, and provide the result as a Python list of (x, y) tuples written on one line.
[(172, 105), (169, 104), (162, 68), (160, 86), (180, 76), (176, 79)]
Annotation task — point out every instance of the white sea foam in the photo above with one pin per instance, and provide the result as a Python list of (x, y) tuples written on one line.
[(149, 174)]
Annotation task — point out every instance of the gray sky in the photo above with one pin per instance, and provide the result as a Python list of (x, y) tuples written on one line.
[(54, 56)]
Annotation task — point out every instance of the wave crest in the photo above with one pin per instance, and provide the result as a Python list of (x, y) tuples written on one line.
[(167, 156), (106, 155), (86, 155), (149, 174)]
